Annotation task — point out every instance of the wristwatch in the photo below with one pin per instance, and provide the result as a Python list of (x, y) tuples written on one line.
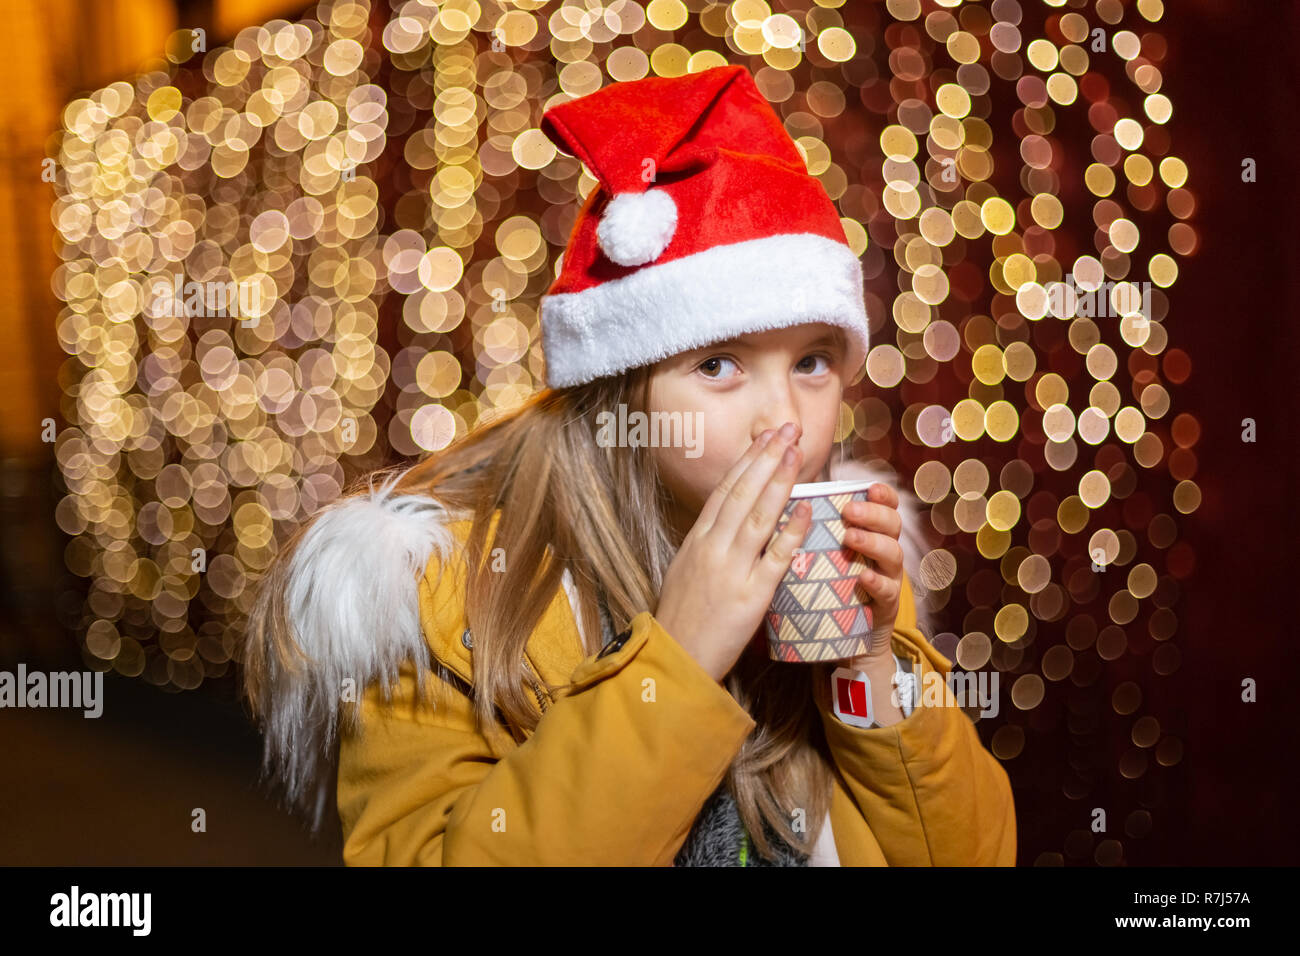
[(851, 694)]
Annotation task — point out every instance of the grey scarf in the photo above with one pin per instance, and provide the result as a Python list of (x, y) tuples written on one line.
[(718, 836)]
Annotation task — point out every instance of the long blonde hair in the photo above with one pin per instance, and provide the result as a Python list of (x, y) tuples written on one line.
[(567, 502)]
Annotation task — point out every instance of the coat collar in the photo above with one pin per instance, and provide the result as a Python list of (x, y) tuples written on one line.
[(554, 649)]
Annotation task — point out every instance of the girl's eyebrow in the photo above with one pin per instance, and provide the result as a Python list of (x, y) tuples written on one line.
[(826, 339)]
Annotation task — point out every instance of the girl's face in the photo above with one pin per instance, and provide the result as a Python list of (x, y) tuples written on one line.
[(730, 392)]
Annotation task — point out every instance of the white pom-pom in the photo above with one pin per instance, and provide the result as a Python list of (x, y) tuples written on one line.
[(636, 227)]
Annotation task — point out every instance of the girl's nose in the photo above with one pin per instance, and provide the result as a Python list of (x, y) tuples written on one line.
[(775, 405)]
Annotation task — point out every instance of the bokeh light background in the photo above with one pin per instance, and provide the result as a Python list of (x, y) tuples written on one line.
[(377, 172)]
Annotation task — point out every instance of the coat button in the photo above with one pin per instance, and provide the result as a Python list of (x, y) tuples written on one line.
[(615, 644), (467, 639)]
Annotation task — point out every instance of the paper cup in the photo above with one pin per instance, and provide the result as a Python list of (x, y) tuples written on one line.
[(817, 613)]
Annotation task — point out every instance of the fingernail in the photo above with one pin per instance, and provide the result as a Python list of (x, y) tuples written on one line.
[(787, 430), (788, 457), (765, 437)]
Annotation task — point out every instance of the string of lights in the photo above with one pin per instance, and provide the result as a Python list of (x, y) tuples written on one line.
[(287, 258)]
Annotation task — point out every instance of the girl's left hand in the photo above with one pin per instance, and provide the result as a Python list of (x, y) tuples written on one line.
[(873, 531)]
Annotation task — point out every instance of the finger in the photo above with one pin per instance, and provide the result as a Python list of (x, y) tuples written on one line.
[(774, 563), (873, 517), (756, 530), (708, 514), (740, 499), (883, 549), (883, 493), (882, 590)]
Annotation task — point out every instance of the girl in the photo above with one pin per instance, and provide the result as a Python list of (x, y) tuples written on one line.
[(544, 646)]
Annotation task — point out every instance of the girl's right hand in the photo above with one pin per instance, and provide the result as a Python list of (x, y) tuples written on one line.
[(719, 586)]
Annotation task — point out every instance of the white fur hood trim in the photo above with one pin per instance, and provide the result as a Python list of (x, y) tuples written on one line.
[(912, 537), (353, 608)]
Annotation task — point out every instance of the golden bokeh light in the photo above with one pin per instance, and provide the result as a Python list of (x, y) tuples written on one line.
[(370, 191)]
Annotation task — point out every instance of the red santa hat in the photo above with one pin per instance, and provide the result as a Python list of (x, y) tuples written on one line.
[(705, 225)]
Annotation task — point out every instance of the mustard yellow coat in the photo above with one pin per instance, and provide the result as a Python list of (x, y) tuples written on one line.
[(607, 779)]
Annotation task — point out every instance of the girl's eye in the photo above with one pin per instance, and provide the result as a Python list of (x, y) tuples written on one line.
[(816, 371), (712, 367)]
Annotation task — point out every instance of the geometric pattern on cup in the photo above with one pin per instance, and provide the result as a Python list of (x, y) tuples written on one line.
[(817, 612), (818, 636)]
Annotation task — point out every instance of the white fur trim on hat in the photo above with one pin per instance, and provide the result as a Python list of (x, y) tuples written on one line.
[(352, 604), (636, 227), (671, 307)]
